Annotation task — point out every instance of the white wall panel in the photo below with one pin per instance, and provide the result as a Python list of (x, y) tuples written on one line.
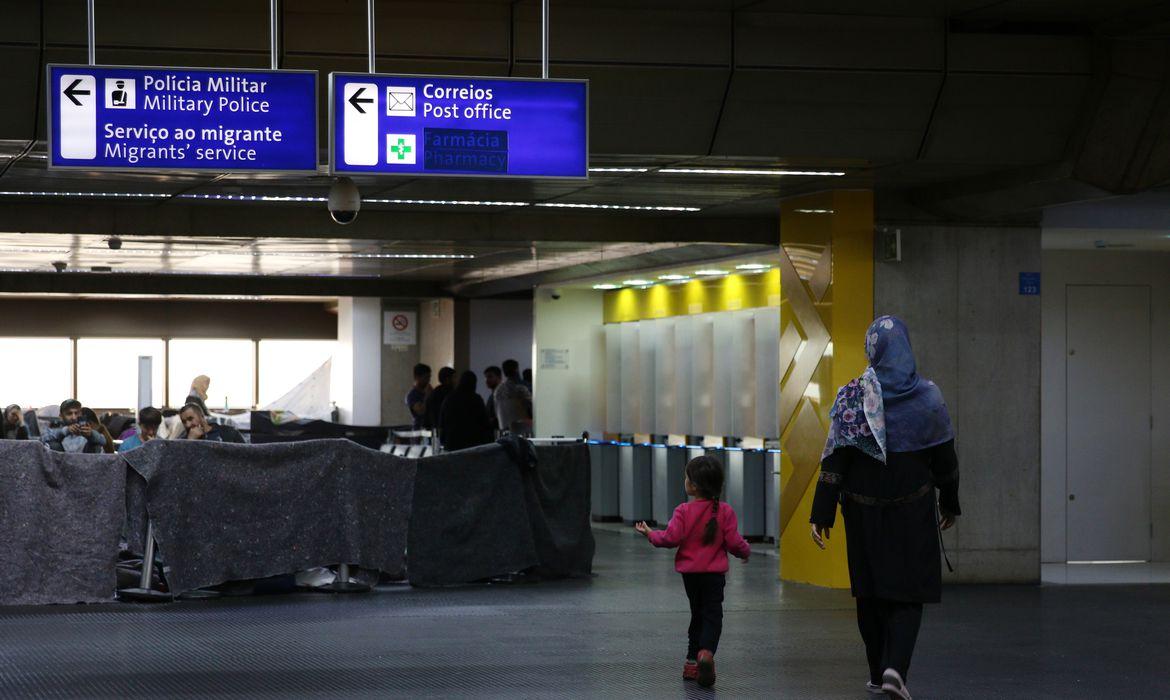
[(684, 370), (648, 338), (631, 379), (727, 375), (665, 414), (702, 375), (767, 379), (613, 378), (743, 386)]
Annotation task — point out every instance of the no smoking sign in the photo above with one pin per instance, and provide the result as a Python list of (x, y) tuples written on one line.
[(399, 328)]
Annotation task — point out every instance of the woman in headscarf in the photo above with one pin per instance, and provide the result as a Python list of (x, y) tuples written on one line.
[(13, 428), (890, 446), (463, 420), (198, 393)]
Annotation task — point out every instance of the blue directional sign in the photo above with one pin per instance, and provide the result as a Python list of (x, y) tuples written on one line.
[(182, 119), (429, 125)]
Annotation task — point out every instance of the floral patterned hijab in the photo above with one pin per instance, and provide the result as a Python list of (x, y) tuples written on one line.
[(889, 408)]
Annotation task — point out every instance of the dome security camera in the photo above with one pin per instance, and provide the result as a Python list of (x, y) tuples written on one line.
[(344, 201), (114, 242), (554, 293), (60, 265)]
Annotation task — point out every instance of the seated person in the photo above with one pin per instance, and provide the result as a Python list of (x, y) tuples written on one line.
[(74, 434), (149, 419), (89, 417), (13, 428), (199, 429)]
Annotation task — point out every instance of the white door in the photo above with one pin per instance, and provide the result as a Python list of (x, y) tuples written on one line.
[(1108, 396)]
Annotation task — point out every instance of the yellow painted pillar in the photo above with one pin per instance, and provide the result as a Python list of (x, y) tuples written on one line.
[(826, 278)]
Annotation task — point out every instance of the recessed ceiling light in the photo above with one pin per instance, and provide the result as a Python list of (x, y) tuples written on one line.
[(674, 278), (752, 266), (607, 287), (710, 272), (814, 211), (626, 207), (619, 170), (747, 171), (637, 282)]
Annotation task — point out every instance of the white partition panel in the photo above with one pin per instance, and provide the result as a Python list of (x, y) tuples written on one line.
[(744, 385), (767, 329), (648, 332), (631, 378), (665, 414), (702, 374), (613, 378), (729, 378), (684, 370)]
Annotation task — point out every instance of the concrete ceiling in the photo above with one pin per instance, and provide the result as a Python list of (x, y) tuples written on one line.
[(964, 110)]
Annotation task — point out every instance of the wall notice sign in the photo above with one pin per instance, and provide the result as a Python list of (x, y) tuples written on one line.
[(494, 127), (1030, 283), (400, 328), (222, 120), (554, 358)]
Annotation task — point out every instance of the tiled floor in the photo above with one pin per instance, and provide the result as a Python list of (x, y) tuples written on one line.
[(619, 635)]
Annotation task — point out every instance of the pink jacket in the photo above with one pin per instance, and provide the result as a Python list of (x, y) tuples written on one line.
[(685, 531)]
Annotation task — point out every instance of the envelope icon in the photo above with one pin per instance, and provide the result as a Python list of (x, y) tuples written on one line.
[(399, 101)]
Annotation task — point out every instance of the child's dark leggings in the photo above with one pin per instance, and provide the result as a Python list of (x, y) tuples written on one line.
[(889, 629), (705, 591)]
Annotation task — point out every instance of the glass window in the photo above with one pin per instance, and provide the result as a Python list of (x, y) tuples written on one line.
[(229, 364), (107, 371), (286, 363), (37, 371)]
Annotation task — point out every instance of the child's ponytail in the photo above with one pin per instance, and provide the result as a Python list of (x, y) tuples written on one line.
[(706, 475), (713, 523)]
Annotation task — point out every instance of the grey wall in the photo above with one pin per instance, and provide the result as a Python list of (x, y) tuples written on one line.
[(500, 329), (979, 340), (1062, 268)]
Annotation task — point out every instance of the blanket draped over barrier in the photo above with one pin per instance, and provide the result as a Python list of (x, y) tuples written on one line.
[(226, 512), (60, 518), (498, 509), (223, 512)]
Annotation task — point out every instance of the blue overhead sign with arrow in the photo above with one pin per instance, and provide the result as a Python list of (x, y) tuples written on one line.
[(182, 119), (433, 125)]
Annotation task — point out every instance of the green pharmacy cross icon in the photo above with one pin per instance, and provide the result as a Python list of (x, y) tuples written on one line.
[(400, 149)]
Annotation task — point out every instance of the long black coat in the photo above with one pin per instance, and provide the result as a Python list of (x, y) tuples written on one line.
[(463, 421), (893, 538)]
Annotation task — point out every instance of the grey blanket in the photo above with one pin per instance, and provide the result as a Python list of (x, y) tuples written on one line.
[(226, 512), (558, 496), (60, 517), (498, 509), (470, 518)]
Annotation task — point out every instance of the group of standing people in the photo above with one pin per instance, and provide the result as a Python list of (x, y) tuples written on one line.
[(460, 415), (890, 464)]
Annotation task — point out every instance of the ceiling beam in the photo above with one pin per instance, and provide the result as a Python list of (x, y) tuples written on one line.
[(212, 285)]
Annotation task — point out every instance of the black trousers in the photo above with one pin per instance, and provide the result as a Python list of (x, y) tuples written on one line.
[(705, 591), (889, 629)]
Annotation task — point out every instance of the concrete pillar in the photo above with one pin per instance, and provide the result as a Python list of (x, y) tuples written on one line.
[(357, 364)]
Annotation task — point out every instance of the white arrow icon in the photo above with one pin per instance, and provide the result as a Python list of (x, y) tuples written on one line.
[(360, 124), (78, 108)]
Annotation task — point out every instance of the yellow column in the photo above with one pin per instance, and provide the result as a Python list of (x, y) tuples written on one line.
[(826, 278)]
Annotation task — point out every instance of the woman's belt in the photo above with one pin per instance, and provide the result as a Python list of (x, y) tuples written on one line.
[(889, 502)]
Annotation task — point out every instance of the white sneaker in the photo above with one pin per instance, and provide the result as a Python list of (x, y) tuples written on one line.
[(893, 686), (873, 688)]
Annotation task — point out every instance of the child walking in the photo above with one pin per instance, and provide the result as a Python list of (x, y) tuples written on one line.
[(704, 530)]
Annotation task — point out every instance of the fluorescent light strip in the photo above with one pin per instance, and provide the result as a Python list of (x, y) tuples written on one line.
[(1107, 562), (103, 195), (711, 272), (54, 251), (745, 171), (619, 170), (624, 207), (410, 256), (753, 267), (674, 278), (448, 202), (814, 211), (607, 287), (253, 197)]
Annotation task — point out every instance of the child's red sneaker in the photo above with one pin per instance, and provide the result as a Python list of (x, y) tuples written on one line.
[(706, 664), (690, 670)]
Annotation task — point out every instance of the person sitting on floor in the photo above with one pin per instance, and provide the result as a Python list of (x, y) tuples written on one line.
[(74, 434), (198, 428), (149, 419), (13, 428)]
